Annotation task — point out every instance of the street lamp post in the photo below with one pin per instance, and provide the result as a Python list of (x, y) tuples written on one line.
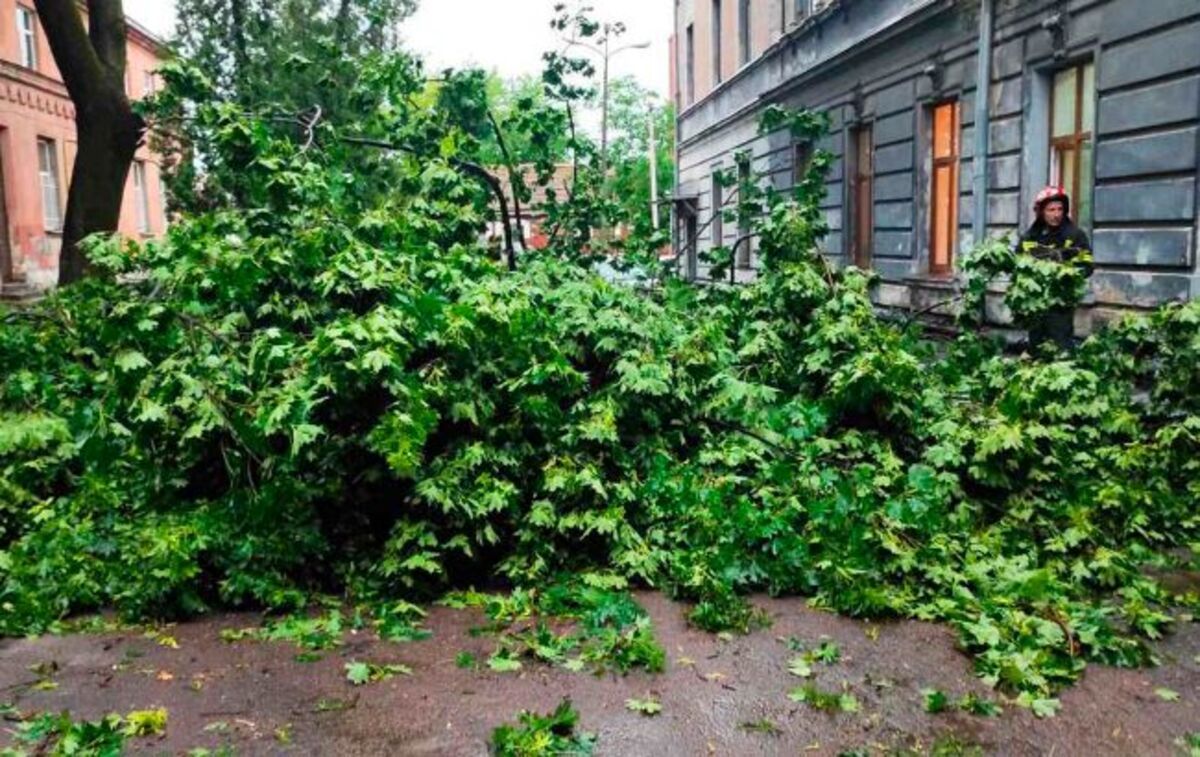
[(606, 54), (653, 174), (604, 95)]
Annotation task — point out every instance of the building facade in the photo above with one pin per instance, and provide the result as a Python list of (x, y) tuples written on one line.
[(1099, 96), (38, 145)]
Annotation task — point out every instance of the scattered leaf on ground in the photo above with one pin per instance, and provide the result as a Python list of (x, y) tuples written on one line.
[(935, 700), (1167, 695), (649, 706), (146, 722)]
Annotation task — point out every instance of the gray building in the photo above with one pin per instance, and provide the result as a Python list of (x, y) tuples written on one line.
[(1100, 96)]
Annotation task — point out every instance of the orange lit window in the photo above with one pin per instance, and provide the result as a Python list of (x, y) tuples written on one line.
[(944, 196)]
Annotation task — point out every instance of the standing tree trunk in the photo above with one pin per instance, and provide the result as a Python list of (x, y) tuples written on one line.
[(92, 63)]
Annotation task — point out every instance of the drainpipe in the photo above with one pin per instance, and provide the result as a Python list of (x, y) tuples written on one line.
[(983, 94)]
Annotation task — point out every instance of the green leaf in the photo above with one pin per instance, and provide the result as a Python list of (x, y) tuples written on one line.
[(828, 652), (1167, 695), (501, 662), (304, 434), (131, 360), (800, 666), (648, 707), (146, 722), (358, 673), (935, 700), (976, 705), (1045, 707)]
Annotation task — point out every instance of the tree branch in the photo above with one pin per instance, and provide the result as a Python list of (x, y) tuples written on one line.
[(80, 66), (473, 169), (241, 59), (512, 174), (107, 31), (342, 22)]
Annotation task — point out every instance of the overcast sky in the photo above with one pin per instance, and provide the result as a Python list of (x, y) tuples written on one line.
[(508, 36)]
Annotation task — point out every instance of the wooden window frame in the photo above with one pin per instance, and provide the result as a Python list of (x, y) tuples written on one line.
[(951, 161), (862, 196), (1072, 142)]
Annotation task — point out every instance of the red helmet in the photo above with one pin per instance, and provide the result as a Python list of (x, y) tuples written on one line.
[(1050, 194)]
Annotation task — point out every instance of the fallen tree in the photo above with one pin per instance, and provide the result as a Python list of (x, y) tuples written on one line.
[(307, 392)]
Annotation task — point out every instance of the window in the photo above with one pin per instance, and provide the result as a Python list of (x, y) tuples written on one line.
[(141, 197), (744, 32), (802, 157), (690, 234), (690, 64), (162, 197), (1072, 123), (51, 196), (802, 10), (862, 195), (147, 84), (718, 225), (943, 206), (27, 37), (743, 240), (716, 41)]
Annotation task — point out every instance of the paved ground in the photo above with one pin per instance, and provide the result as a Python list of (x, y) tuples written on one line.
[(241, 694)]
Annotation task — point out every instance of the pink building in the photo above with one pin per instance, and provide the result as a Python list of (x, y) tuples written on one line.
[(38, 144)]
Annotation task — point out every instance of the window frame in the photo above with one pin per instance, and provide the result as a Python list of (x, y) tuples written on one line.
[(744, 257), (27, 37), (162, 198), (717, 40), (803, 152), (689, 63), (1073, 142), (49, 178), (952, 161), (717, 225), (745, 37), (861, 187), (141, 198)]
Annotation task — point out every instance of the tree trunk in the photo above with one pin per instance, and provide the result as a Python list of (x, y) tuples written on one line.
[(107, 143), (92, 63), (241, 56)]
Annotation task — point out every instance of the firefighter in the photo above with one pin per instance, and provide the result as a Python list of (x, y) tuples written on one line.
[(1054, 236)]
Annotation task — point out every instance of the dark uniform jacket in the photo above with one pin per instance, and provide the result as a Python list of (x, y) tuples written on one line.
[(1068, 243)]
